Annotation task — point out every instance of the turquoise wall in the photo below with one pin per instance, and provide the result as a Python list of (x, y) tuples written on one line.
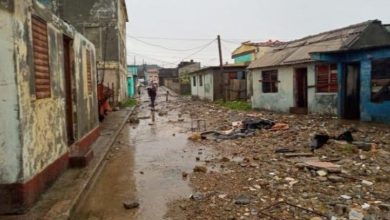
[(130, 86), (243, 58)]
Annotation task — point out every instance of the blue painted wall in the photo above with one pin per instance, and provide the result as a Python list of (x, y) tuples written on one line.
[(132, 71), (369, 111), (243, 58)]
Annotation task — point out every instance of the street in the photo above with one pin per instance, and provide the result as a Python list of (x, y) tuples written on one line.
[(145, 165)]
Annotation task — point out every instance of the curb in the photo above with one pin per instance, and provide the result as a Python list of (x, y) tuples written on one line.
[(96, 170)]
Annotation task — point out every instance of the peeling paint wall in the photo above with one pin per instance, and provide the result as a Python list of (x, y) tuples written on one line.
[(280, 101), (103, 22), (206, 91), (41, 122), (10, 146), (322, 103)]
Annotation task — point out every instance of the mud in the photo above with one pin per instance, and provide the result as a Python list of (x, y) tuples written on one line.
[(145, 165)]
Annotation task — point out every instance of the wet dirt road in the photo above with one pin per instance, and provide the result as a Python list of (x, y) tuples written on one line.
[(145, 165)]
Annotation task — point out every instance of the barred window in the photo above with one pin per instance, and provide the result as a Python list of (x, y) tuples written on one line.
[(326, 78), (270, 81)]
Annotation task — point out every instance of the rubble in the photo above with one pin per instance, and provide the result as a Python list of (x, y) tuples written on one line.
[(348, 176), (130, 205)]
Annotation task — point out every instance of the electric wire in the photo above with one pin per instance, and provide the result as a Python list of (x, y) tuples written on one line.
[(166, 48)]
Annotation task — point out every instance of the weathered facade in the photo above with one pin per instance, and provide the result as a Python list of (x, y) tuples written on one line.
[(289, 79), (103, 22), (209, 84), (184, 68), (249, 51), (47, 75)]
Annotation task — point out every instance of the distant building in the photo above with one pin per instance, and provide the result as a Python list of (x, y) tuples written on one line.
[(103, 22), (48, 101), (152, 76), (209, 84), (249, 51), (184, 68)]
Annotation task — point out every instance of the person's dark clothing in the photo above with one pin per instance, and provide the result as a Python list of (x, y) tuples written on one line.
[(152, 92)]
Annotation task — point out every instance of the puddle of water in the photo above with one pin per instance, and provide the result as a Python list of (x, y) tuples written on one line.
[(146, 166)]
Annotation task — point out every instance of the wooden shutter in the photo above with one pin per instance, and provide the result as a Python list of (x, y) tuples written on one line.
[(41, 58), (326, 78), (89, 72)]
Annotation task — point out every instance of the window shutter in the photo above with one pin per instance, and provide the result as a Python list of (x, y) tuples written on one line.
[(41, 58), (89, 72)]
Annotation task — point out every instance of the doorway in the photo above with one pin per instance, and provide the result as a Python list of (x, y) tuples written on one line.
[(352, 91), (68, 89), (301, 88)]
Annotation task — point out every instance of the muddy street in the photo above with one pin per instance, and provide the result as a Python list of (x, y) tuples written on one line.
[(145, 166)]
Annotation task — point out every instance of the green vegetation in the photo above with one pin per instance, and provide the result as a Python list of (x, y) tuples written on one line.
[(131, 102), (235, 105)]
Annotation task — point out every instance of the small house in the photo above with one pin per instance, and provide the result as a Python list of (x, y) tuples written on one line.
[(210, 84), (48, 101), (290, 79)]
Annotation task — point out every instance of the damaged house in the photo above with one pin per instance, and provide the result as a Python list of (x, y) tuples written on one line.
[(308, 75), (49, 101), (209, 84)]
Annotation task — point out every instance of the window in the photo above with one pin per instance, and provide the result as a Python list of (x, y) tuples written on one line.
[(194, 80), (270, 81), (89, 71), (200, 80), (326, 78), (380, 80), (41, 58)]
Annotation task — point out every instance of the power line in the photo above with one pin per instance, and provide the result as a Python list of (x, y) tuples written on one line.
[(166, 48), (172, 39)]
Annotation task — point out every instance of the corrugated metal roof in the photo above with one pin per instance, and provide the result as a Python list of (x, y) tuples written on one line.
[(298, 51)]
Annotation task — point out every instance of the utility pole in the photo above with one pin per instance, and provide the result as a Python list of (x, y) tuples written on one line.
[(222, 77)]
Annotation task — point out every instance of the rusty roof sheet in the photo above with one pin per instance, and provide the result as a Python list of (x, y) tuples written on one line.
[(298, 51)]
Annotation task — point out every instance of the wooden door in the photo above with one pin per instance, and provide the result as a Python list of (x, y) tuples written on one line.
[(301, 88), (68, 90), (352, 91)]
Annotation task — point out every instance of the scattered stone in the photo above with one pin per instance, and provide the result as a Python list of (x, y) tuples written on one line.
[(340, 209), (335, 179), (346, 197), (184, 174), (130, 205), (316, 218), (195, 136), (367, 183), (355, 214), (384, 206), (141, 172), (242, 200), (197, 196), (197, 158), (200, 169), (225, 159), (322, 173)]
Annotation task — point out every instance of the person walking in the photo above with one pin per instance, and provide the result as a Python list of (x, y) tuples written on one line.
[(152, 92)]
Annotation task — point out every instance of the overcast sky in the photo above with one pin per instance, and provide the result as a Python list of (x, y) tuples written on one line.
[(165, 32)]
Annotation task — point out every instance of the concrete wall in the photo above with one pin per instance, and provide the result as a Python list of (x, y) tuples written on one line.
[(369, 111), (103, 22), (323, 103), (10, 145), (40, 122), (280, 101), (206, 91)]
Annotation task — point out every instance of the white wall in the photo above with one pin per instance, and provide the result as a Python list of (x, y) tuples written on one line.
[(280, 101), (10, 146), (323, 103), (206, 91)]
